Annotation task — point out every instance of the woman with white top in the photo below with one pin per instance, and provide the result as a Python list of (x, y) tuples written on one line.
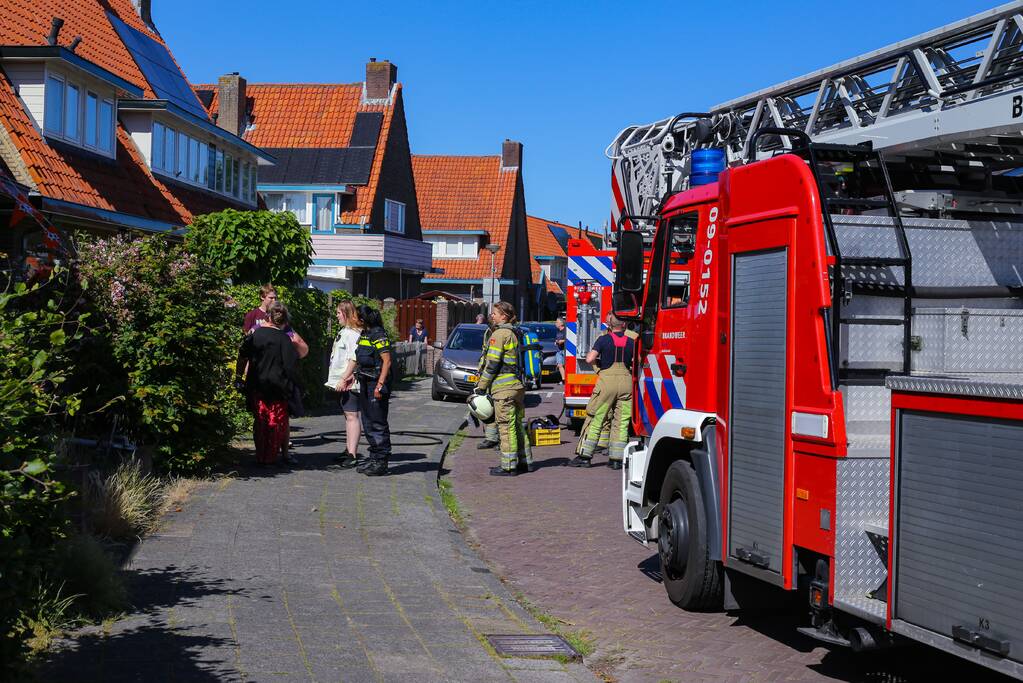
[(341, 378)]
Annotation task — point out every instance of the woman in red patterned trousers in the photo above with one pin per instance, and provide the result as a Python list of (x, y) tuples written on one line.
[(270, 380)]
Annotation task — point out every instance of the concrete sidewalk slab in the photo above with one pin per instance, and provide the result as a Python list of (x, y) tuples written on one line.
[(314, 574)]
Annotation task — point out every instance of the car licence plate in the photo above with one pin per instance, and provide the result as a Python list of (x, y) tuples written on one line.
[(577, 412), (472, 378)]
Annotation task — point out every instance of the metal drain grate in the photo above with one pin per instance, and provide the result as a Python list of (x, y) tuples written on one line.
[(532, 646)]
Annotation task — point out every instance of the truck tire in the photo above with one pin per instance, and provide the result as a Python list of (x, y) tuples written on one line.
[(693, 580)]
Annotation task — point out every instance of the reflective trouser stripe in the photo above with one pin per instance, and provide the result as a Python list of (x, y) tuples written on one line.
[(620, 430), (608, 413), (511, 412)]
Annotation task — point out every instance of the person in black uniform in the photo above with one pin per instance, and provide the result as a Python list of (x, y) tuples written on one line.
[(373, 358)]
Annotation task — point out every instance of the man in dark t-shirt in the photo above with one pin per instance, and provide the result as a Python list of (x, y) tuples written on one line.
[(611, 401), (258, 316)]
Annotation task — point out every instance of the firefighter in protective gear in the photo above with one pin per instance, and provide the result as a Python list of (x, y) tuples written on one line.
[(611, 402), (500, 377), (491, 437)]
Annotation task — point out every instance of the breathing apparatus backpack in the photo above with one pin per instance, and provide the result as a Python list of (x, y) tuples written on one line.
[(530, 358)]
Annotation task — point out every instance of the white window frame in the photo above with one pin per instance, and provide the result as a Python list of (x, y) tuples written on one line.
[(111, 129), (394, 216), (454, 246), (48, 106), (198, 167), (59, 129), (76, 115)]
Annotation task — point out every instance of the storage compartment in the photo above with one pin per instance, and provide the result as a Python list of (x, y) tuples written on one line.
[(958, 533)]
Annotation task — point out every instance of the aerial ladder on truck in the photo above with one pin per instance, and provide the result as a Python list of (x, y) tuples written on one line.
[(832, 402)]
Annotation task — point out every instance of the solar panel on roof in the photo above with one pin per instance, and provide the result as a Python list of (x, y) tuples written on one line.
[(159, 69), (560, 234)]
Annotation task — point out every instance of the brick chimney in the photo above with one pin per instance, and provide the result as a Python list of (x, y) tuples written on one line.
[(145, 10), (511, 155), (380, 76), (231, 113)]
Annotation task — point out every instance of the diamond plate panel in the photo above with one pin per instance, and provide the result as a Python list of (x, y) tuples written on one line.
[(968, 341), (872, 346), (861, 500), (1007, 386), (866, 404), (946, 253), (866, 236)]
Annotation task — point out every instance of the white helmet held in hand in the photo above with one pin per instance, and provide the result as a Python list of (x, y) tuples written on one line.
[(482, 408)]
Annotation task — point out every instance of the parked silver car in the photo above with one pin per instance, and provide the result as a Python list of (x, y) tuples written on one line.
[(456, 371)]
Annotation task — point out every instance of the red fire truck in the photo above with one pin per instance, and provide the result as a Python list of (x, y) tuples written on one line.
[(832, 402), (588, 303)]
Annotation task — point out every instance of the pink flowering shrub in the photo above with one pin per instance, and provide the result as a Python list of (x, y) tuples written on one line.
[(166, 322)]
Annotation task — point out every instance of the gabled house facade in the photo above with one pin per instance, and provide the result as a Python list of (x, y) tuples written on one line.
[(468, 203), (343, 168), (99, 123), (548, 247)]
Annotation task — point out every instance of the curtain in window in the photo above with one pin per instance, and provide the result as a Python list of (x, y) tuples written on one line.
[(274, 201), (324, 208), (295, 203)]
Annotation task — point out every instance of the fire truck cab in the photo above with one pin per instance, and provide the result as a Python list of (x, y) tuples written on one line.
[(771, 449)]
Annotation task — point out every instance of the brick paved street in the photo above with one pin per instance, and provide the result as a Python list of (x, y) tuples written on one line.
[(556, 535), (316, 574)]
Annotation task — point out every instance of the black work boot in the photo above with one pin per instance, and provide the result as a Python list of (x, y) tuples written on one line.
[(347, 460), (374, 468), (487, 443), (501, 472), (614, 464), (579, 461), (524, 467)]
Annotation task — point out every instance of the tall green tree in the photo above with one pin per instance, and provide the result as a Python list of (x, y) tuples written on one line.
[(254, 247)]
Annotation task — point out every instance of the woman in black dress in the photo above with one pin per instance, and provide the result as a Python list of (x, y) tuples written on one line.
[(270, 379)]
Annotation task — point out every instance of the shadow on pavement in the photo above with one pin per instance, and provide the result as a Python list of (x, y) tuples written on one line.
[(140, 647), (651, 568)]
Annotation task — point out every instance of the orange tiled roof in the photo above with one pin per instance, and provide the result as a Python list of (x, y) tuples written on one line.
[(302, 115), (63, 173), (465, 193)]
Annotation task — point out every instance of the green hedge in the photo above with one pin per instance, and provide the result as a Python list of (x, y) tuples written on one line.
[(164, 317), (39, 335)]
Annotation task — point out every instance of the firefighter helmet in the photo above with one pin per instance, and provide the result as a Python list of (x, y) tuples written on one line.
[(482, 408)]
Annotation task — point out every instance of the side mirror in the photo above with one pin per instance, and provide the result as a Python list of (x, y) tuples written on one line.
[(625, 299), (438, 345), (629, 262)]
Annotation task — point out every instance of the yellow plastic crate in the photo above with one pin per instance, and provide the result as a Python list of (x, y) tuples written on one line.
[(545, 437)]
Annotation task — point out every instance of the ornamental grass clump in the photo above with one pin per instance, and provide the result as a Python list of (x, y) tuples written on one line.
[(124, 504)]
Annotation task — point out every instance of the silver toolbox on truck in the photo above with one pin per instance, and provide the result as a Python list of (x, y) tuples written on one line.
[(957, 529)]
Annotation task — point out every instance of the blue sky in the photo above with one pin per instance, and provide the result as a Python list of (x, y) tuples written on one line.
[(563, 78)]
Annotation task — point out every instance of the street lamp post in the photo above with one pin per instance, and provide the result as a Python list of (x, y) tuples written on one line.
[(493, 248)]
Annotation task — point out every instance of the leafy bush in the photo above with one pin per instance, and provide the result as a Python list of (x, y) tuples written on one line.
[(310, 314), (87, 571), (38, 334), (165, 317), (253, 247)]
